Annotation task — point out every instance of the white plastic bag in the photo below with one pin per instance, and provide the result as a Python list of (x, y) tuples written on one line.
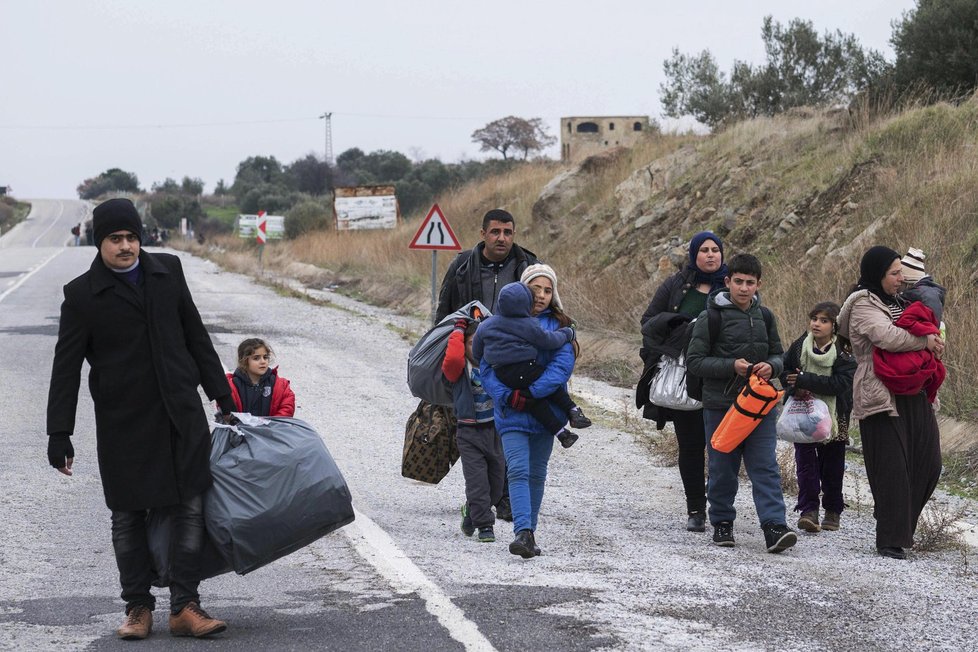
[(805, 421), (668, 388)]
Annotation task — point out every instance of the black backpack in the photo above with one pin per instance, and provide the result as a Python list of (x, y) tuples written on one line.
[(694, 383)]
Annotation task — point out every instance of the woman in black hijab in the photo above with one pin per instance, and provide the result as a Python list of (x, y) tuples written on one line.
[(681, 298), (900, 437)]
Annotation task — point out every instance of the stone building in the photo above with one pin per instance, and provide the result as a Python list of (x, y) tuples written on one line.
[(583, 136)]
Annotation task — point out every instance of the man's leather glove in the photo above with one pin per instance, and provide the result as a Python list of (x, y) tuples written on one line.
[(228, 419), (520, 400), (59, 448), (226, 403)]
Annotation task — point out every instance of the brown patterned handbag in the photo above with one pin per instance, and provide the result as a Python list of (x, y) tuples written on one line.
[(429, 443)]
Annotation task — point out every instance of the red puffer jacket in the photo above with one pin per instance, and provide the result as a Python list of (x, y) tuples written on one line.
[(908, 372), (283, 398)]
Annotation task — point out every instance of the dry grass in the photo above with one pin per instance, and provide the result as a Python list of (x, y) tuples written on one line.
[(917, 167), (937, 529), (788, 470)]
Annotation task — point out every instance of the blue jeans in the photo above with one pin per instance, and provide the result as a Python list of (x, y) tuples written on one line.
[(761, 462), (527, 456), (135, 563)]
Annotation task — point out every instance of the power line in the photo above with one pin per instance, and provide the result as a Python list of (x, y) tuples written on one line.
[(237, 123)]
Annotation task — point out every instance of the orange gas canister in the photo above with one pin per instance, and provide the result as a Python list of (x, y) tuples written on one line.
[(753, 403)]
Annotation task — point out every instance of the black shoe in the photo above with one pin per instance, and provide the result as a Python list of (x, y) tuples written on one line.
[(892, 552), (467, 528), (486, 535), (779, 537), (567, 438), (696, 522), (523, 545), (577, 418), (504, 511), (723, 534)]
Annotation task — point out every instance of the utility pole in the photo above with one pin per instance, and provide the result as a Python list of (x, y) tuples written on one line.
[(329, 137)]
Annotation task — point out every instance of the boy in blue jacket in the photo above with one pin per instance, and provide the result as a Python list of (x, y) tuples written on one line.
[(510, 342)]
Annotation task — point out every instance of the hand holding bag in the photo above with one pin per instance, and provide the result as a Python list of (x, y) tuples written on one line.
[(805, 421), (668, 388), (757, 398)]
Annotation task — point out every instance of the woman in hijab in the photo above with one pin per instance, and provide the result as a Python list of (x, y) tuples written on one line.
[(900, 437), (680, 299), (526, 443)]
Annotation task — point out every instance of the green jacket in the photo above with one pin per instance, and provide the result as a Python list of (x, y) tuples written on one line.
[(743, 334)]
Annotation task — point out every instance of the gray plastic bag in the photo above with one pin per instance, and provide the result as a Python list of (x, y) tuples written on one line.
[(159, 525), (424, 376), (276, 489)]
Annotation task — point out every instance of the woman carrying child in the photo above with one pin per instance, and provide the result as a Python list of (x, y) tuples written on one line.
[(256, 387), (526, 442), (900, 436), (511, 341), (819, 364)]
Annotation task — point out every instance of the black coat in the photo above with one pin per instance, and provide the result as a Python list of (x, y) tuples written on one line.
[(148, 350), (663, 333)]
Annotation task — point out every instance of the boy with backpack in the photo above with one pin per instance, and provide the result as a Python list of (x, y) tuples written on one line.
[(734, 337)]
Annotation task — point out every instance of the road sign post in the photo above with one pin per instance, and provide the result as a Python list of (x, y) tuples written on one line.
[(435, 234), (261, 235)]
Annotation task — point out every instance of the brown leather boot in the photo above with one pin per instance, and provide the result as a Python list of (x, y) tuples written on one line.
[(194, 621), (138, 625)]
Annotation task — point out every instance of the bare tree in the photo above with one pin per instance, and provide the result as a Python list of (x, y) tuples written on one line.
[(512, 134)]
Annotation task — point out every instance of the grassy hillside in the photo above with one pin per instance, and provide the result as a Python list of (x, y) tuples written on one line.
[(806, 192), (12, 212)]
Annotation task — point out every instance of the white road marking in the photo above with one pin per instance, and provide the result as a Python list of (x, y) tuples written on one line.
[(61, 210), (376, 546), (29, 274)]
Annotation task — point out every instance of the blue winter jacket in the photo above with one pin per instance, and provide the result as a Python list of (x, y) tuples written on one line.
[(559, 365), (512, 335)]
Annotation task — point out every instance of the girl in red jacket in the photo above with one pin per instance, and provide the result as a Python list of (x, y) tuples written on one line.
[(257, 388)]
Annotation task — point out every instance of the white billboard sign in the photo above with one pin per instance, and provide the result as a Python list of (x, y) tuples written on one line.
[(367, 212)]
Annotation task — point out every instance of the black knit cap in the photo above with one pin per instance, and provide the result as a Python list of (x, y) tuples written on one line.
[(117, 214), (873, 266)]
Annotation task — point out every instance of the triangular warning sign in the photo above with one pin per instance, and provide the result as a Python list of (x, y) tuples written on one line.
[(435, 233)]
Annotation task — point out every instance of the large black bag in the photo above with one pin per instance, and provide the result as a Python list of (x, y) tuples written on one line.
[(159, 525), (276, 489)]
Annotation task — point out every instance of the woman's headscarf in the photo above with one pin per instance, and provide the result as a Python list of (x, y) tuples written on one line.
[(873, 267), (716, 278), (540, 269)]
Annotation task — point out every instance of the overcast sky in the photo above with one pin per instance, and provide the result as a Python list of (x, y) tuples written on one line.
[(192, 88)]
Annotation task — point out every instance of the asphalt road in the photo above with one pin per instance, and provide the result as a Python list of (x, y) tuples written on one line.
[(618, 570)]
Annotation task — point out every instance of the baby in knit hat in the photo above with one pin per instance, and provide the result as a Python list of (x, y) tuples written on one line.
[(919, 285)]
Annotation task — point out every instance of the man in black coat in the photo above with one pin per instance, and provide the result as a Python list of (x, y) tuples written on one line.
[(479, 274), (132, 318)]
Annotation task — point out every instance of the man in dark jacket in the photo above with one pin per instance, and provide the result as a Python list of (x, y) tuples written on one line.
[(479, 274), (132, 318)]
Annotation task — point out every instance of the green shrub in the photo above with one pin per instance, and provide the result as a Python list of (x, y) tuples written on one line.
[(306, 216)]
